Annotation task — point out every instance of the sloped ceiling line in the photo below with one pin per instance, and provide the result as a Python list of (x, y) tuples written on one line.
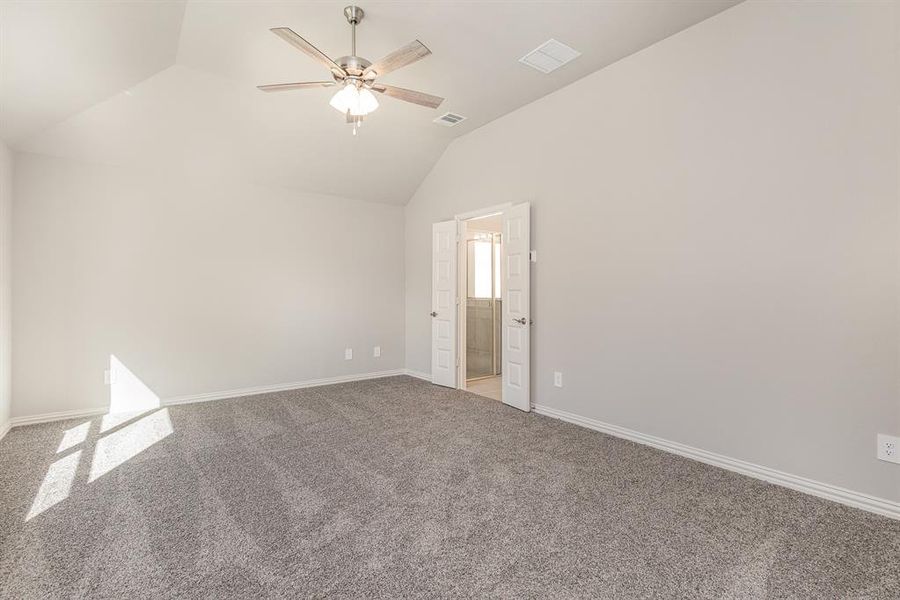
[(172, 83)]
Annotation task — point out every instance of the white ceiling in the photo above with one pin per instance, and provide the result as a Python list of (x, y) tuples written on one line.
[(169, 83)]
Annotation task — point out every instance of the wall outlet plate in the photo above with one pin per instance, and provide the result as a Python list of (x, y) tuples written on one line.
[(376, 351), (889, 448), (557, 379), (348, 354)]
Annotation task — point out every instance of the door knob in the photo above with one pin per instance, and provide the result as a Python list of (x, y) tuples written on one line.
[(433, 314), (521, 321)]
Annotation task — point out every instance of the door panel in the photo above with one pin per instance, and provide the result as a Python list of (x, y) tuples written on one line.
[(443, 304), (516, 276)]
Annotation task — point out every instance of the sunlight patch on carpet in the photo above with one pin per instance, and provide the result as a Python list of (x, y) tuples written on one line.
[(126, 443), (56, 485)]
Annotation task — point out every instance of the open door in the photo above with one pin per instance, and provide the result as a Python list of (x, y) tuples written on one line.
[(443, 304), (516, 274)]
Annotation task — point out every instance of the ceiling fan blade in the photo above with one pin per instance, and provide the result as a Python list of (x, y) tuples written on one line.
[(283, 87), (406, 55), (420, 98), (288, 35)]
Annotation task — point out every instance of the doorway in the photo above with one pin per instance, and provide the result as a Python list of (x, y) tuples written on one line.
[(483, 306), (501, 342)]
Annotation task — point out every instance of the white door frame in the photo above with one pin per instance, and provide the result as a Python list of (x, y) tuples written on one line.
[(463, 284)]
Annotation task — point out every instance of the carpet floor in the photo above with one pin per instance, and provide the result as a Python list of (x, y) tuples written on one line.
[(396, 488)]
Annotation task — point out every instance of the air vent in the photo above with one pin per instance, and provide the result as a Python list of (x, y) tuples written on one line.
[(549, 56), (449, 119)]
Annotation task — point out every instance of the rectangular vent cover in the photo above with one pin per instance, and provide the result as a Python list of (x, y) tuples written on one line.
[(549, 56), (449, 119)]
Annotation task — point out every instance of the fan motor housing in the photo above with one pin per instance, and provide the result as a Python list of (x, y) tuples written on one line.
[(354, 65)]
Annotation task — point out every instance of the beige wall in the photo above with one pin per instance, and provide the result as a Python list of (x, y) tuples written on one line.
[(196, 285), (6, 201), (716, 220)]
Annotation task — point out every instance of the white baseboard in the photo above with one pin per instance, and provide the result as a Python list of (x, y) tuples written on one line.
[(881, 506), (57, 416), (4, 429), (282, 387), (207, 397), (418, 374)]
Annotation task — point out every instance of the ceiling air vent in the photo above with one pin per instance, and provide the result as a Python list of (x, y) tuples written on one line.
[(449, 119), (549, 56)]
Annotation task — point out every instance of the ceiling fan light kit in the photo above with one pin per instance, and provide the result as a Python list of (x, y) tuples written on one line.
[(356, 75), (357, 101)]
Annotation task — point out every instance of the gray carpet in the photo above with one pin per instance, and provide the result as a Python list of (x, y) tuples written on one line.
[(396, 488)]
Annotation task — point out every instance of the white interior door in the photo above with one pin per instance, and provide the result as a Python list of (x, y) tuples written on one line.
[(516, 274), (443, 304)]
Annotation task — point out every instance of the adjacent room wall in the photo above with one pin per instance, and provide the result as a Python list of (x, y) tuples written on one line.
[(6, 201), (197, 283), (716, 222)]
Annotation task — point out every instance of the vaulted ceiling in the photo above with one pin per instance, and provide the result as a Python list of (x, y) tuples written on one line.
[(172, 83)]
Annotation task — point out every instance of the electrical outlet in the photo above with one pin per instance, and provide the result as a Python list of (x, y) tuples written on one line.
[(348, 354), (557, 378), (376, 351), (889, 448)]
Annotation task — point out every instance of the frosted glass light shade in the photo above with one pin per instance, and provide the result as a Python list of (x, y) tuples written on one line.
[(347, 98), (367, 102), (358, 102)]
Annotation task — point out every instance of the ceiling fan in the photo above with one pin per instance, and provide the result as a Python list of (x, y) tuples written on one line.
[(356, 75)]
